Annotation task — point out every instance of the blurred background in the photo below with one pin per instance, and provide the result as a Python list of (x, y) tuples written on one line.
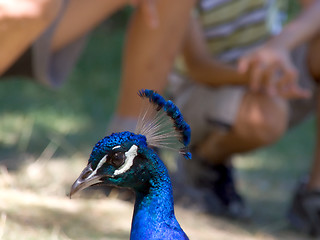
[(47, 135)]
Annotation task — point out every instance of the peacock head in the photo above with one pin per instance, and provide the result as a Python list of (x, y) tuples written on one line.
[(121, 159), (126, 159)]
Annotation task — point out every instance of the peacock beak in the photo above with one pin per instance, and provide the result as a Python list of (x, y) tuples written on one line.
[(86, 179)]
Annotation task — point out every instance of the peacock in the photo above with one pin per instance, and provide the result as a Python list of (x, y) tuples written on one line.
[(129, 160)]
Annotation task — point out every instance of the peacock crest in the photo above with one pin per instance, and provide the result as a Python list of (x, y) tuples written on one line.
[(162, 123)]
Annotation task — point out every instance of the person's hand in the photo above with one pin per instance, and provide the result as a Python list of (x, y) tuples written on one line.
[(270, 69), (149, 10)]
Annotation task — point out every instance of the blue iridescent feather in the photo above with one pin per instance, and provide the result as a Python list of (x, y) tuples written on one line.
[(126, 159), (153, 216)]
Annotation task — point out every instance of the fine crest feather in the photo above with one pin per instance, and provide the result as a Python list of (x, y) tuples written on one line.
[(162, 123)]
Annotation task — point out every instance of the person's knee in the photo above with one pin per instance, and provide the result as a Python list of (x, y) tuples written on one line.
[(42, 11), (262, 119)]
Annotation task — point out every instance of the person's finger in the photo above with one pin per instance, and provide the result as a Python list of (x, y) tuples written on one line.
[(289, 72), (243, 65), (256, 77), (292, 90), (287, 79), (246, 66), (296, 93), (302, 93), (270, 79)]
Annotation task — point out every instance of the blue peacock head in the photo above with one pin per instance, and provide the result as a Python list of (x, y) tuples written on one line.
[(127, 159)]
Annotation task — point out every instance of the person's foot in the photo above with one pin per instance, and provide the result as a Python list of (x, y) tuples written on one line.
[(304, 212), (223, 187), (216, 186)]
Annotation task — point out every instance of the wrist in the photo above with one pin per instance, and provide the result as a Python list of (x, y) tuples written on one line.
[(280, 43)]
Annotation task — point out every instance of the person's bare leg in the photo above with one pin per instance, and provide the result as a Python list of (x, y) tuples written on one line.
[(149, 53), (260, 121), (21, 22), (80, 17), (313, 61)]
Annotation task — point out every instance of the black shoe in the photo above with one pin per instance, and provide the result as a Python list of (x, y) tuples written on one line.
[(304, 213), (217, 186), (223, 188)]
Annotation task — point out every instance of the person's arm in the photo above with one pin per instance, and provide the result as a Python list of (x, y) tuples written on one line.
[(302, 28), (270, 68), (202, 67)]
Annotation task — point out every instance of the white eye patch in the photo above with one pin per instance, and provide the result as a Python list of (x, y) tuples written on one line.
[(130, 155)]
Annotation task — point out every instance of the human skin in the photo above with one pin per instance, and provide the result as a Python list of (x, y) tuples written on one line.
[(268, 91)]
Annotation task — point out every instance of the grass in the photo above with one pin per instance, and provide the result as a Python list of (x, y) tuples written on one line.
[(32, 115), (46, 136)]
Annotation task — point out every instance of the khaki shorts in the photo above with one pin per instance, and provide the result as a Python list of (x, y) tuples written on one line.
[(39, 63), (206, 108)]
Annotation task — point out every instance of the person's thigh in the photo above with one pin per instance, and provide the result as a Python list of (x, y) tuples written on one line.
[(80, 17), (21, 22)]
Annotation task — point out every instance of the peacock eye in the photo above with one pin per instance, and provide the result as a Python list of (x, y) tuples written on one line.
[(118, 159)]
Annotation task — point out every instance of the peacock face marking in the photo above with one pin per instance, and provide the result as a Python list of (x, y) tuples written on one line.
[(111, 161)]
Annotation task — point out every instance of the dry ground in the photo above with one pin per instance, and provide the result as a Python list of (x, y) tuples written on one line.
[(34, 205)]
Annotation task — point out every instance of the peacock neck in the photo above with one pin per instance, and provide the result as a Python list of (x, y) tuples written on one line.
[(156, 203), (153, 216)]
